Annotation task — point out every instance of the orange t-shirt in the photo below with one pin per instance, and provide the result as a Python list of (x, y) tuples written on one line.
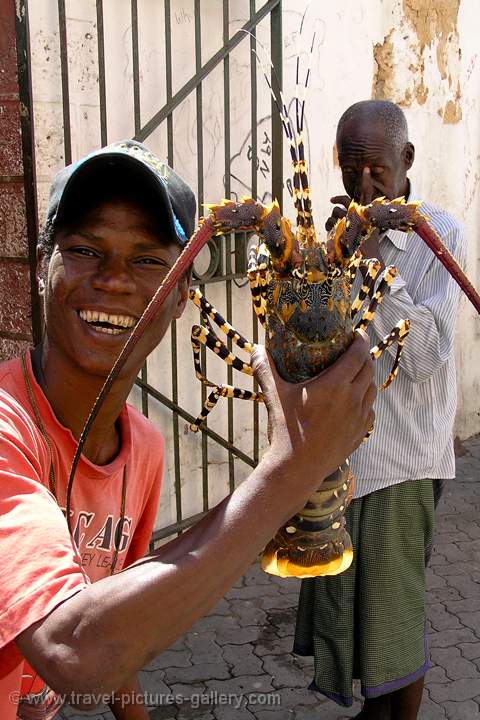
[(40, 565)]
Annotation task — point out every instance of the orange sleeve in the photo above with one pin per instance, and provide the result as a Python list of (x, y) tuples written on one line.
[(39, 566)]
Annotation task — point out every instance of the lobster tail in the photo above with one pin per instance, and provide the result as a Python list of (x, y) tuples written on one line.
[(315, 542)]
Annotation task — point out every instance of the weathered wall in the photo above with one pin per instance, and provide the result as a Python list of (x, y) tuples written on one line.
[(425, 59)]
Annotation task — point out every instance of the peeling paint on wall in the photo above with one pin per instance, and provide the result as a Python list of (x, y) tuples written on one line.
[(438, 23), (424, 43), (432, 20)]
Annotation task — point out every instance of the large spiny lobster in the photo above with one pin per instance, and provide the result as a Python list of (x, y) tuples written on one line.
[(300, 289), (301, 292)]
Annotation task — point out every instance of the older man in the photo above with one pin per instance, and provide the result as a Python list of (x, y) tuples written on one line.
[(370, 622)]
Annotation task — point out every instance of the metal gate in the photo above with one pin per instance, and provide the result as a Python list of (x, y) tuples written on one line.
[(212, 77)]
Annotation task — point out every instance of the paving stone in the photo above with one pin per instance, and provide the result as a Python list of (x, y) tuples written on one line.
[(280, 601), (465, 586), (269, 643), (326, 710), (457, 690), (274, 714), (434, 579), (170, 658), (227, 712), (460, 606), (285, 672), (443, 595), (251, 591), (436, 674), (441, 619), (185, 712), (455, 536), (213, 622), (471, 620), (154, 687), (165, 712), (197, 673), (473, 530), (242, 660), (243, 685), (450, 638), (447, 524), (430, 710), (247, 612), (449, 570), (222, 608), (290, 586), (467, 710), (283, 620), (293, 697), (237, 637), (437, 559), (454, 664), (179, 644), (471, 651), (203, 647), (452, 552)]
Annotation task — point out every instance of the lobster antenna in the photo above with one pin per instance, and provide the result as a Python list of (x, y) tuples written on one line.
[(301, 181), (280, 104), (301, 89), (293, 140), (281, 107)]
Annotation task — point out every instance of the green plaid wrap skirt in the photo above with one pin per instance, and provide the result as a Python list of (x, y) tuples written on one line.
[(369, 622)]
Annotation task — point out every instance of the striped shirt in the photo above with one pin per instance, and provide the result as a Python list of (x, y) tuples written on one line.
[(413, 436)]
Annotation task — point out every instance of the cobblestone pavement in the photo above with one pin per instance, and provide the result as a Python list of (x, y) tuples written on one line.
[(236, 663)]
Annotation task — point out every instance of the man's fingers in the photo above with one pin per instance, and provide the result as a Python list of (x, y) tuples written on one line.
[(260, 362), (353, 360), (341, 200), (366, 187), (338, 212)]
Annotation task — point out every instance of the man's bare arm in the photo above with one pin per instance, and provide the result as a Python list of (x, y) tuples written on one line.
[(96, 640)]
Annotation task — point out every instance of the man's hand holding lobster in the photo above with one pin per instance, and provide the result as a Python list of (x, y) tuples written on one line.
[(369, 189), (313, 426)]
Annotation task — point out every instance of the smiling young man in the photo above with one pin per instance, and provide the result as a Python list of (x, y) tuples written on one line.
[(369, 623), (117, 221)]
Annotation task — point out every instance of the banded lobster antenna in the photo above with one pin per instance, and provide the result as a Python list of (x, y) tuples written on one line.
[(277, 93), (300, 168), (279, 100)]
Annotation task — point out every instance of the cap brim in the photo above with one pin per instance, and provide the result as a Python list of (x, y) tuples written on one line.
[(87, 168)]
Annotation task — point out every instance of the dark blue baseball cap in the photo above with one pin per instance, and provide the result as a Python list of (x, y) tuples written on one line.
[(174, 195)]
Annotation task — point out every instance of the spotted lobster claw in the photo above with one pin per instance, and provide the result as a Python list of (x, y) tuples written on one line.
[(361, 220)]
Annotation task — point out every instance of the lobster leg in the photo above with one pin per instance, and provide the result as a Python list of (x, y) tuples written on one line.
[(398, 335), (209, 311), (226, 391), (388, 277), (372, 268), (207, 337), (257, 278)]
